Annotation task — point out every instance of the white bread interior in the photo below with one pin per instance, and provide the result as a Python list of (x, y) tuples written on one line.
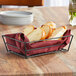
[(46, 29), (58, 32), (28, 29), (35, 35), (43, 34)]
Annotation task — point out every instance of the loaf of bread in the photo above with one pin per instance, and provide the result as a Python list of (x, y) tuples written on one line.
[(48, 28), (37, 34), (28, 30), (58, 32), (46, 31)]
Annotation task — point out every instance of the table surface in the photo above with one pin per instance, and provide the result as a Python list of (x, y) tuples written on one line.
[(59, 64)]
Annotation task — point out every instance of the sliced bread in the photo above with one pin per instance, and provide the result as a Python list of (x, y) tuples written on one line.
[(28, 29), (58, 32), (36, 35), (46, 29), (51, 24)]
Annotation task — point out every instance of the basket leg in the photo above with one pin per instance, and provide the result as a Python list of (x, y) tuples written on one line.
[(5, 43), (70, 42), (25, 51)]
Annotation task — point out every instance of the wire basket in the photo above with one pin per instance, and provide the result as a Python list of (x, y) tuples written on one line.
[(25, 56)]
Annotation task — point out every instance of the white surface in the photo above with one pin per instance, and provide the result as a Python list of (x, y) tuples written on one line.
[(16, 17), (56, 2), (16, 14), (6, 6)]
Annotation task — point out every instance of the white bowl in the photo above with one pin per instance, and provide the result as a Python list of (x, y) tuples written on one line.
[(16, 17)]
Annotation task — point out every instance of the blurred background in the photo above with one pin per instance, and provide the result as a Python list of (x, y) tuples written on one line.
[(56, 2), (46, 4)]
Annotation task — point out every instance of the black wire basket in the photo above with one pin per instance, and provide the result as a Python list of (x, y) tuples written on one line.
[(25, 56)]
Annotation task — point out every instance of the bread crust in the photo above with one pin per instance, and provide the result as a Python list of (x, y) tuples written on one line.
[(35, 35), (58, 32), (28, 30), (43, 34)]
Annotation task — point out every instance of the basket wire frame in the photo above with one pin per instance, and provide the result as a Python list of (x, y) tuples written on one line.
[(25, 56)]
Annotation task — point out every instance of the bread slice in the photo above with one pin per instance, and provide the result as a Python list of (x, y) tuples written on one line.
[(46, 29), (43, 34), (50, 31), (51, 24), (58, 32), (28, 29), (36, 35), (49, 27)]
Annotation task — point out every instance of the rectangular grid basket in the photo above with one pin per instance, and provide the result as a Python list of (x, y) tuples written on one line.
[(25, 56)]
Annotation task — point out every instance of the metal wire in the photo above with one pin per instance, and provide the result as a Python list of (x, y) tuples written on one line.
[(3, 36)]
